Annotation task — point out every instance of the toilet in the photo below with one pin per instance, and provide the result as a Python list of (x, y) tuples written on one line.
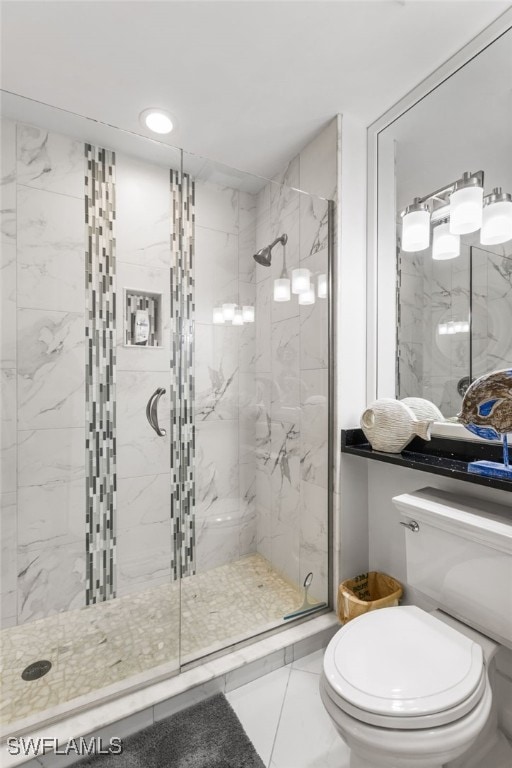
[(412, 688)]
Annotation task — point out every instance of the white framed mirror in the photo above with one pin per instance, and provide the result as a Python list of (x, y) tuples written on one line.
[(435, 324)]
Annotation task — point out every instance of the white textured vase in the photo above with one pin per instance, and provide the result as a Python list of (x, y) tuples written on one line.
[(390, 425)]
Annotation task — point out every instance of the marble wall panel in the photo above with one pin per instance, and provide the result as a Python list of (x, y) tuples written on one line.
[(8, 245), (263, 228), (143, 556), (217, 207), (247, 332), (247, 212), (51, 515), (219, 537), (314, 427), (314, 225), (143, 213), (263, 326), (50, 161), (51, 375), (216, 372), (411, 308), (50, 580), (140, 451), (285, 471), (50, 455), (217, 466), (314, 326), (286, 351), (8, 435), (51, 254), (216, 274), (8, 564)]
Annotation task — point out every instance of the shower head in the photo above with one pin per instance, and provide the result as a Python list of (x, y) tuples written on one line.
[(264, 255)]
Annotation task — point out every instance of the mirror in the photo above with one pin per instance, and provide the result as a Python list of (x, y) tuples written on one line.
[(451, 318)]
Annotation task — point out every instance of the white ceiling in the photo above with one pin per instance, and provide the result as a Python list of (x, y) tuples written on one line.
[(249, 83)]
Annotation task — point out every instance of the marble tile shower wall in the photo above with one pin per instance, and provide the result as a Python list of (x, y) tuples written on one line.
[(43, 343), (225, 466), (291, 364), (143, 226)]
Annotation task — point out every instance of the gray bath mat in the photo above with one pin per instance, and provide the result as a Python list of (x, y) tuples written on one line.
[(207, 735)]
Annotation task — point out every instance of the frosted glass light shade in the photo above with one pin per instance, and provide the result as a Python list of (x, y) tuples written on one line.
[(228, 311), (322, 286), (415, 231), (218, 316), (301, 280), (307, 297), (248, 313), (496, 223), (282, 289), (445, 245), (466, 210), (238, 317)]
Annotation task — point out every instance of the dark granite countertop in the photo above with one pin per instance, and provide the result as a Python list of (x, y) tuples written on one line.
[(441, 456)]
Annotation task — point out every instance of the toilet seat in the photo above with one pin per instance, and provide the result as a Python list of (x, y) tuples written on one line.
[(403, 668)]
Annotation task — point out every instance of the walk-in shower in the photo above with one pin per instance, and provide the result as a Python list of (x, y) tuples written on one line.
[(165, 481), (264, 255)]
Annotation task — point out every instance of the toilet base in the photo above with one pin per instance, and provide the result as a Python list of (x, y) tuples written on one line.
[(358, 761)]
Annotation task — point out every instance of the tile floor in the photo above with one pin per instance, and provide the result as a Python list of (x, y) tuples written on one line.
[(98, 646), (284, 717)]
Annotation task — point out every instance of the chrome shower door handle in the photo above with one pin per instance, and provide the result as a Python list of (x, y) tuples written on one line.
[(152, 411)]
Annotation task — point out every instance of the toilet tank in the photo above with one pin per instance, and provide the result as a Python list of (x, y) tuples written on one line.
[(461, 557)]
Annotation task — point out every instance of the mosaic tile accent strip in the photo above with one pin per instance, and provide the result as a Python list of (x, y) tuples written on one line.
[(182, 375), (151, 304), (112, 641), (100, 380)]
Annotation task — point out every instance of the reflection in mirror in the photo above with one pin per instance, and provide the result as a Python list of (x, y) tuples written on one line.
[(453, 298), (454, 321)]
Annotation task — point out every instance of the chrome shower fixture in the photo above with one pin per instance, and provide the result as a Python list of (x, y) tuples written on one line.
[(264, 255)]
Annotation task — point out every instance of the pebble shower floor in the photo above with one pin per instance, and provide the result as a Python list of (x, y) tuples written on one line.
[(108, 642)]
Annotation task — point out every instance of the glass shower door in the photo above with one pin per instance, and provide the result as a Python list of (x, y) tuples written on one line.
[(91, 573)]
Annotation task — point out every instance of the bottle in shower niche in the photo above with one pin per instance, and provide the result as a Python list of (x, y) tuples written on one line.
[(141, 327)]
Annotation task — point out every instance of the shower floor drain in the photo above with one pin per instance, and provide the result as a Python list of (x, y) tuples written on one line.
[(36, 670)]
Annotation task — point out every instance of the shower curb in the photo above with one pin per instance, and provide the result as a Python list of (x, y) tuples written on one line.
[(126, 713)]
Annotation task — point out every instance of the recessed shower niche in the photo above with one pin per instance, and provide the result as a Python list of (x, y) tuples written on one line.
[(142, 318)]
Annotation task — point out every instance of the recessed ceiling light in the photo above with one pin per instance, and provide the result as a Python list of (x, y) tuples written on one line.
[(157, 120)]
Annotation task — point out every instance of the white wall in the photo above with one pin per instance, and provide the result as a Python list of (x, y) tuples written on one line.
[(351, 515)]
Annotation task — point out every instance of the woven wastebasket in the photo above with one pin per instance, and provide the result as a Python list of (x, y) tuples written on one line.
[(367, 592)]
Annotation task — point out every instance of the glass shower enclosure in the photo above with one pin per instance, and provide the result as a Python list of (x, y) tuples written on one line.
[(165, 438)]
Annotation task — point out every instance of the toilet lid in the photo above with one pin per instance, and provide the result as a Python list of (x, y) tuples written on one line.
[(402, 662)]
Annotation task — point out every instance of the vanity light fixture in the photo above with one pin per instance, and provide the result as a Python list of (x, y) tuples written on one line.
[(301, 281), (238, 317), (282, 289), (282, 284), (157, 120), (466, 204), (248, 313), (445, 245), (452, 327), (416, 226), (321, 285), (457, 209), (218, 316), (496, 218), (228, 310), (307, 297)]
